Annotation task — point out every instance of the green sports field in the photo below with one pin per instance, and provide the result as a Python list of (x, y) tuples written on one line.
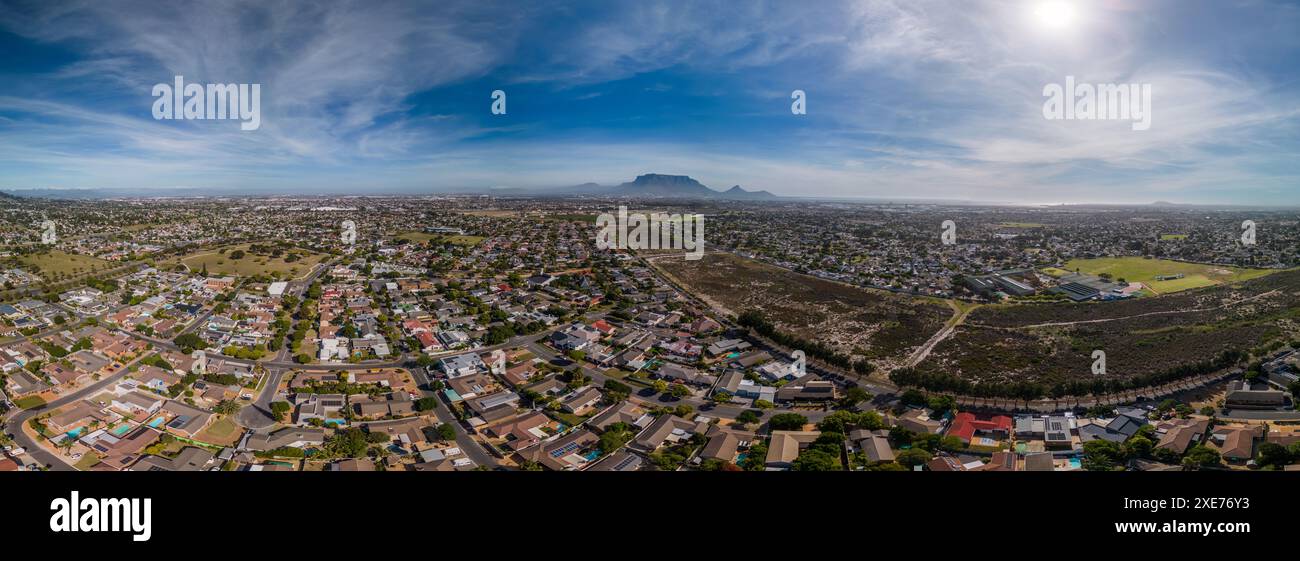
[(1137, 269)]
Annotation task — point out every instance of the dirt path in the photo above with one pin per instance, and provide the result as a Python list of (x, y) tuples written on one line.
[(1159, 313), (958, 317)]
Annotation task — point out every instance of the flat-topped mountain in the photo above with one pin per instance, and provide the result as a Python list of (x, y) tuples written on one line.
[(667, 186)]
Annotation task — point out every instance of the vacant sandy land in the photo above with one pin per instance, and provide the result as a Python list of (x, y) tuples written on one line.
[(863, 323)]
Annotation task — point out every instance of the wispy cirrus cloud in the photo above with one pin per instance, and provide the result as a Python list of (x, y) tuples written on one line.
[(925, 96)]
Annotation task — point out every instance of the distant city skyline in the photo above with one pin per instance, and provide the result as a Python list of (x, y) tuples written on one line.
[(905, 99)]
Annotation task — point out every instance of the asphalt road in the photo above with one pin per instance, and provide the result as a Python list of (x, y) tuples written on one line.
[(16, 420), (258, 415), (464, 441)]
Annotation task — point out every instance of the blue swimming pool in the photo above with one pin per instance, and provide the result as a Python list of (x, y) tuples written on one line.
[(156, 422), (74, 433), (121, 429)]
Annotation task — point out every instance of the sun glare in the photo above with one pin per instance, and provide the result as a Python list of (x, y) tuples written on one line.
[(1055, 14)]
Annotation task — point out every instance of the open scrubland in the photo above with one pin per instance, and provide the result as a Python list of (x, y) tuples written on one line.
[(1046, 348), (879, 326)]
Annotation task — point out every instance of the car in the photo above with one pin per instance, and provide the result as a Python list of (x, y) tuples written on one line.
[(246, 397)]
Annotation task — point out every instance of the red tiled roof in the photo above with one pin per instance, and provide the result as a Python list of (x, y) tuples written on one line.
[(965, 424)]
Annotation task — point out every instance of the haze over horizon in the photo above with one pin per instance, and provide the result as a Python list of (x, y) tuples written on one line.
[(905, 99)]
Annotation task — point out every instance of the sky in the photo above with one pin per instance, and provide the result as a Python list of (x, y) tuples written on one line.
[(904, 98)]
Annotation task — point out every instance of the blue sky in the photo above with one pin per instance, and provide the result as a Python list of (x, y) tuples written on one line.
[(906, 98)]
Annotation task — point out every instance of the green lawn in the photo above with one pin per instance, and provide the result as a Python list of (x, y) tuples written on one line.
[(86, 462), (29, 401), (567, 418), (1137, 269), (222, 432)]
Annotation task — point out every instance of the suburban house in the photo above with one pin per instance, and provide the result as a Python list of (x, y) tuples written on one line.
[(462, 365), (1237, 444), (724, 444), (666, 429), (1180, 434), (874, 444), (295, 437), (191, 458), (581, 401), (966, 426), (785, 445)]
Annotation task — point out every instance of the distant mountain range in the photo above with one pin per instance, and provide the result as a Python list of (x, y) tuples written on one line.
[(659, 185), (650, 185)]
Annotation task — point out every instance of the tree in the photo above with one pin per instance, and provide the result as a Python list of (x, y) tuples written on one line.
[(614, 437), (226, 407), (1101, 411), (913, 397), (1164, 455), (838, 421), (617, 386), (679, 391), (188, 342), (347, 443), (749, 416), (813, 459), (1294, 448), (755, 457), (854, 396), (616, 391), (1138, 446), (941, 404), (912, 457), (660, 386), (1200, 456), (426, 404), (1101, 455), (787, 421), (279, 409), (901, 436), (1272, 454)]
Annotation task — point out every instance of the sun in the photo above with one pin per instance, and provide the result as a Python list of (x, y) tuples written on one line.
[(1055, 14)]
